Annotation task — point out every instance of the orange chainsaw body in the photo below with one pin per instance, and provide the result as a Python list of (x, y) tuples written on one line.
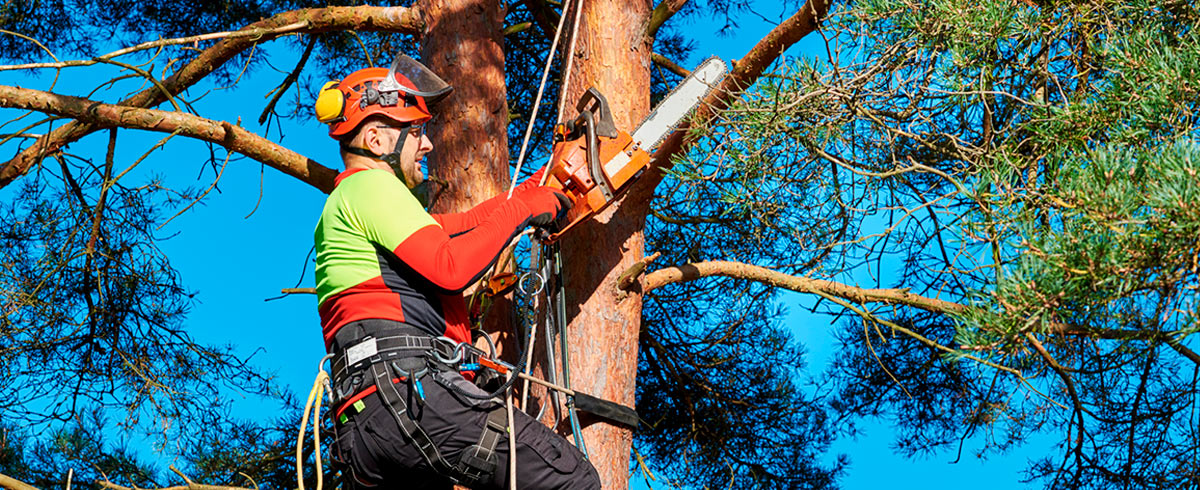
[(592, 185)]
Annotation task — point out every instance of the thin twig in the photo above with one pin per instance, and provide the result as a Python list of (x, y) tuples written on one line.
[(288, 81), (254, 32)]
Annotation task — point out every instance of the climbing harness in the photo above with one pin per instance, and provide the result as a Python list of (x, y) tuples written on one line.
[(400, 356)]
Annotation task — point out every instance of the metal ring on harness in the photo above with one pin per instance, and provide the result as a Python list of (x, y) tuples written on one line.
[(452, 346), (541, 284), (328, 379)]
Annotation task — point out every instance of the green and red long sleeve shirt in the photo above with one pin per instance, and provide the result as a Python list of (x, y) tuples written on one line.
[(381, 255)]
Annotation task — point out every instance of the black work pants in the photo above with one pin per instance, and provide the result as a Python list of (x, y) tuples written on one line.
[(378, 454)]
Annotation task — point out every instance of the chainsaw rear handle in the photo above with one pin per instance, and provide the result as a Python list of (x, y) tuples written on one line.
[(591, 102), (589, 166)]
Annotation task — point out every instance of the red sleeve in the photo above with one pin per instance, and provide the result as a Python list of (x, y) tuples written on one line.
[(458, 223), (453, 263)]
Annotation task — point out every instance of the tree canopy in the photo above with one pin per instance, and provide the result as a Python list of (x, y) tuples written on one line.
[(993, 203)]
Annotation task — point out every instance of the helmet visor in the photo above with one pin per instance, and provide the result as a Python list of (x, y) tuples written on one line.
[(426, 83)]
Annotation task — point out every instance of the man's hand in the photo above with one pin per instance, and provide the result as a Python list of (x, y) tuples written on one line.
[(547, 206)]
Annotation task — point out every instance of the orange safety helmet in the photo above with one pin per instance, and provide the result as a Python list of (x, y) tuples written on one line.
[(402, 93)]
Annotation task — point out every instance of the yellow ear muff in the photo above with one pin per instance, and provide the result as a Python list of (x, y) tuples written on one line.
[(331, 103)]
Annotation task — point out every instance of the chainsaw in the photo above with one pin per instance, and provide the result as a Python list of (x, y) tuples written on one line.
[(594, 163)]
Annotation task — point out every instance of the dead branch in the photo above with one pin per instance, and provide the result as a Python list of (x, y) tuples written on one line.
[(258, 32), (234, 138), (631, 275), (288, 81), (1071, 390), (393, 19)]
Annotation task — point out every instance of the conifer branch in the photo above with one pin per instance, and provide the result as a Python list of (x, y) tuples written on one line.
[(669, 64), (363, 18), (743, 74), (691, 272), (234, 138), (894, 296), (661, 14)]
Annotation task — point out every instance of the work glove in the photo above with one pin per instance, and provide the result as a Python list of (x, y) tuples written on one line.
[(547, 206)]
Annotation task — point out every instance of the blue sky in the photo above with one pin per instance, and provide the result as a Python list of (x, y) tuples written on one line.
[(236, 250)]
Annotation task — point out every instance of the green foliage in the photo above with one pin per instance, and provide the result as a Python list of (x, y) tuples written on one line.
[(1033, 161), (713, 363), (1114, 241)]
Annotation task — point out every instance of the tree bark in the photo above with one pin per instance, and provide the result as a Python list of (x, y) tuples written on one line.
[(463, 43), (613, 55)]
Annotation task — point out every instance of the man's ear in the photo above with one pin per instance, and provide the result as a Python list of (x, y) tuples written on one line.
[(373, 139)]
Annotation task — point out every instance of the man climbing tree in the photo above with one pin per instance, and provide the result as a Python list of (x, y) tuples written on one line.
[(995, 200), (390, 279)]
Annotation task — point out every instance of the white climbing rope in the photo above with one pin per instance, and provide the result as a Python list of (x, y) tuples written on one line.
[(537, 102)]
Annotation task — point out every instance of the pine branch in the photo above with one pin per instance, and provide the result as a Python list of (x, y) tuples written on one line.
[(691, 272), (745, 72), (669, 64), (234, 138), (663, 12), (857, 295), (393, 19), (10, 483)]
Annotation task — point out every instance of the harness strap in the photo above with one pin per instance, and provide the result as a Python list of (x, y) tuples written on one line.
[(395, 403), (479, 462), (370, 350)]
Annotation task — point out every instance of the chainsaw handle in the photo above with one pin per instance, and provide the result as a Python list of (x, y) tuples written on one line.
[(593, 156), (603, 115)]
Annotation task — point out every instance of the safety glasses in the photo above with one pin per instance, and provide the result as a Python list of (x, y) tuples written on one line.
[(416, 130)]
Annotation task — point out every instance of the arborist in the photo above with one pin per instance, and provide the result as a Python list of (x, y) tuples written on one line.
[(390, 278)]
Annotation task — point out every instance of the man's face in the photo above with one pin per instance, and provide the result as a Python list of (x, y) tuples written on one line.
[(416, 146)]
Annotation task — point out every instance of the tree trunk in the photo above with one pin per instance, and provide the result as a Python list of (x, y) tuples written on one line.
[(463, 44), (613, 56)]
